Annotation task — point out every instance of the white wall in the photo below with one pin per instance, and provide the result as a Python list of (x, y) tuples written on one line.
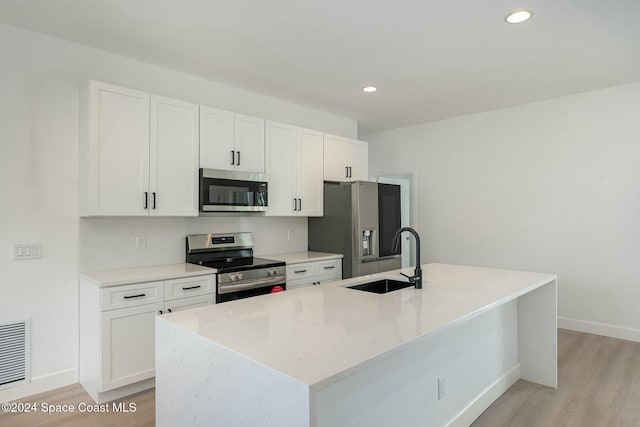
[(40, 80), (552, 186)]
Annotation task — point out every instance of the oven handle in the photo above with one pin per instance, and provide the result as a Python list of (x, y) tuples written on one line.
[(274, 280)]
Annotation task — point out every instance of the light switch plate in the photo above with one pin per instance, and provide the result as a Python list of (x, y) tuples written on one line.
[(26, 251)]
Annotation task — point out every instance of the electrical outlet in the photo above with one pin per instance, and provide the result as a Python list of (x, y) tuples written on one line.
[(25, 251), (290, 235), (141, 242), (442, 388)]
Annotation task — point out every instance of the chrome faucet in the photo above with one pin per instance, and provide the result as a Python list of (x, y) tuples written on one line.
[(416, 279)]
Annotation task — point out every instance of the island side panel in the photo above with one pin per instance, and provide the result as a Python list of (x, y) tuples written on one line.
[(538, 335), (478, 360), (200, 383)]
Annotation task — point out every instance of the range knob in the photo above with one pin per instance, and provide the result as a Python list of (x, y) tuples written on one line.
[(238, 276), (233, 276)]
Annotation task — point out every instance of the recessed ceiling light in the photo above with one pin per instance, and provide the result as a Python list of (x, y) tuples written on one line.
[(518, 16), (369, 89)]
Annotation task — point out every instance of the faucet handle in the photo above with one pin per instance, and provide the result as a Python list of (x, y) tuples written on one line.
[(412, 279)]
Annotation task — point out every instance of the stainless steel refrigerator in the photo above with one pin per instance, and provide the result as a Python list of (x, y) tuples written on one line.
[(359, 221)]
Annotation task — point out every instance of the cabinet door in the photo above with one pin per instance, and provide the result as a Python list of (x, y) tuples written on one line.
[(127, 345), (309, 162), (280, 162), (173, 158), (358, 160), (187, 303), (118, 150), (249, 137), (217, 139), (335, 154)]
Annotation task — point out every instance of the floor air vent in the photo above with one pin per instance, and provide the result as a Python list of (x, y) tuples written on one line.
[(15, 343)]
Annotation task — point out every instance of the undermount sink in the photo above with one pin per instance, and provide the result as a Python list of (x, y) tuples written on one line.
[(381, 286)]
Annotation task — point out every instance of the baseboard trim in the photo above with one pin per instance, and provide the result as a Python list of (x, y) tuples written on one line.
[(596, 328), (41, 384), (482, 401)]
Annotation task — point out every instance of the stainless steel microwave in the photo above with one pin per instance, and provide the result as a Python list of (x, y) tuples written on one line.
[(228, 191)]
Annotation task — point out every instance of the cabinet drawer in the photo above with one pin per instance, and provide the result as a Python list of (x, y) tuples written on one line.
[(299, 283), (131, 295), (331, 268), (189, 287), (188, 303), (300, 271)]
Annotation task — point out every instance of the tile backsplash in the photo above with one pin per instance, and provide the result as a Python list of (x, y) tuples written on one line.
[(111, 242)]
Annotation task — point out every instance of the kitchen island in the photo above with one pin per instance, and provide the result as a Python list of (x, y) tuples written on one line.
[(332, 356)]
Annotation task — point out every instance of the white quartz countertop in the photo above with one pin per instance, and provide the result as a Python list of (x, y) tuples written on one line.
[(123, 276), (319, 334), (300, 257)]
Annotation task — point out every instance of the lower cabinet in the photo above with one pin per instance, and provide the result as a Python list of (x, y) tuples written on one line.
[(128, 345), (117, 330), (313, 273)]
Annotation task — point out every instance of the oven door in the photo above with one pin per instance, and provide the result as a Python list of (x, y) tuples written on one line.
[(234, 292), (224, 191)]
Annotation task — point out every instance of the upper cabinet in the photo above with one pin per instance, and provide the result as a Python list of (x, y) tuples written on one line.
[(173, 157), (345, 159), (140, 156), (294, 168), (230, 141)]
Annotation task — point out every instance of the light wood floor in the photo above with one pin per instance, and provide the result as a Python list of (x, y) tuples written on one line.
[(599, 382), (599, 386)]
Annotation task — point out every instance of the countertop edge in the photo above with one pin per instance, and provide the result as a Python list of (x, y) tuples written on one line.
[(146, 275), (299, 257)]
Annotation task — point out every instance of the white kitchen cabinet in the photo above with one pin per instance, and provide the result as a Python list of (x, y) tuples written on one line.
[(345, 159), (141, 154), (117, 330), (230, 141), (128, 345), (115, 159), (187, 303), (310, 173), (217, 139), (249, 139), (173, 161), (313, 273), (294, 167)]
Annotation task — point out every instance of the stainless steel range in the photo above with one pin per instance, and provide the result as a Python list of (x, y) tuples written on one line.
[(239, 274)]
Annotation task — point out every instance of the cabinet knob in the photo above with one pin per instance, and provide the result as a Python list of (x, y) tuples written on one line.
[(161, 312), (168, 310)]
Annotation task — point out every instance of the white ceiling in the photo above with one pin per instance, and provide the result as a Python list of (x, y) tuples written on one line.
[(432, 59)]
